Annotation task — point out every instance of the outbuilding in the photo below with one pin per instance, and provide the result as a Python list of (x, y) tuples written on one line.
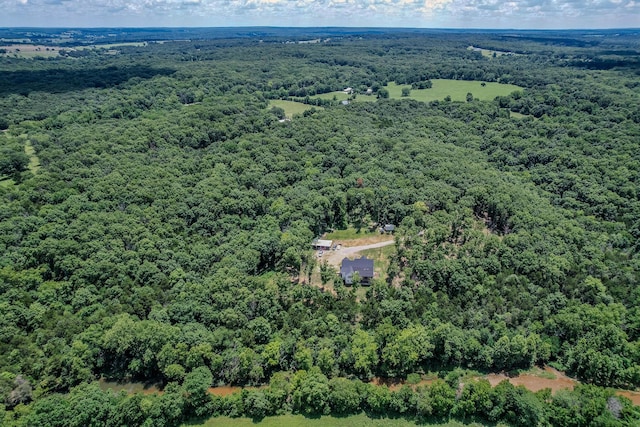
[(320, 244)]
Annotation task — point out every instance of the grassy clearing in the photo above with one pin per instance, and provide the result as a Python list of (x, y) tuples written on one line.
[(381, 259), (360, 420), (350, 234), (34, 162), (341, 96), (518, 116), (30, 51), (291, 108), (456, 89), (487, 53)]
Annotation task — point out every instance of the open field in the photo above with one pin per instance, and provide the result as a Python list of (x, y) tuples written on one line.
[(291, 108), (360, 420), (353, 234), (456, 89), (487, 53), (30, 50), (341, 96), (33, 50)]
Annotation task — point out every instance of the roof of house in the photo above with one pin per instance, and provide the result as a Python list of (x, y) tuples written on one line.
[(323, 243), (364, 267), (389, 227)]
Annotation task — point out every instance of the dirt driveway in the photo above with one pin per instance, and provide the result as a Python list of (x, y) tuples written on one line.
[(335, 258)]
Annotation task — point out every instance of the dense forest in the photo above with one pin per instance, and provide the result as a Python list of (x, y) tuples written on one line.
[(163, 235)]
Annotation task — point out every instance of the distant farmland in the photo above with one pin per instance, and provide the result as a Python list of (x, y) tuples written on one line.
[(456, 89)]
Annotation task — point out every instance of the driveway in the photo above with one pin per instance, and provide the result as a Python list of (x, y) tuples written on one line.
[(335, 258)]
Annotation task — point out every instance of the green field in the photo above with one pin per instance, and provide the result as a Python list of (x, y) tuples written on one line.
[(350, 233), (381, 259), (360, 420), (30, 51), (487, 53), (291, 108), (341, 96), (456, 89), (42, 54)]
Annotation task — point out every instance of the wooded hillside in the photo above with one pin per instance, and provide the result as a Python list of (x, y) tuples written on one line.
[(165, 233)]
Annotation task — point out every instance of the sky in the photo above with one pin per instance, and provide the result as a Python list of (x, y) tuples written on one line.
[(518, 14)]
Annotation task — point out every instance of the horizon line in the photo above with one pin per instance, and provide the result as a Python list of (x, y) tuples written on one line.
[(320, 27)]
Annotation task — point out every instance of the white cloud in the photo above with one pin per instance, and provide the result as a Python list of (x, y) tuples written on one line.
[(421, 13)]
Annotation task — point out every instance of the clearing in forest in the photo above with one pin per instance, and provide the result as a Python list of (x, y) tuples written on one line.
[(373, 245), (488, 53), (291, 107), (30, 50), (34, 164), (456, 89), (343, 96)]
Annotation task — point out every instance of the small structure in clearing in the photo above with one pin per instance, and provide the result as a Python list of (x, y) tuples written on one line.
[(320, 244), (388, 228), (363, 266)]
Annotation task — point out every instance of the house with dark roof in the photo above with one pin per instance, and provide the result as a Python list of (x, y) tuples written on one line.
[(388, 228), (363, 266)]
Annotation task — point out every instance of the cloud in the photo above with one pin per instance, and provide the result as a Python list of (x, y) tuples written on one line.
[(420, 13)]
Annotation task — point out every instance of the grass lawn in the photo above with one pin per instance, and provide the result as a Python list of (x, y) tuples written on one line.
[(456, 89), (291, 107), (350, 234), (381, 258), (360, 420)]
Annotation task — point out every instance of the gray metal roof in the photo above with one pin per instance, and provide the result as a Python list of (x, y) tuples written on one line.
[(364, 267)]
